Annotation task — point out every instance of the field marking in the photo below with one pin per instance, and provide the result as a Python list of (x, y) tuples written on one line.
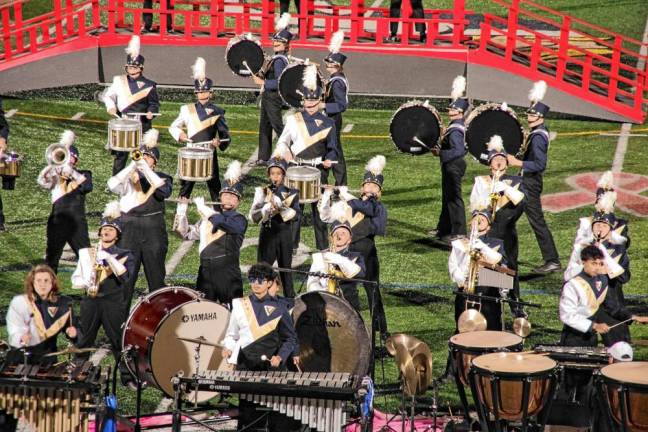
[(77, 116), (177, 256), (11, 113), (621, 148), (619, 134), (348, 128)]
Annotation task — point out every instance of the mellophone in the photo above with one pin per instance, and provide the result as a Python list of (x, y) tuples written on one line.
[(317, 399)]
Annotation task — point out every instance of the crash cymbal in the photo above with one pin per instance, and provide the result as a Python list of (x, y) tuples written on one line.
[(70, 351), (471, 320), (521, 327), (201, 341)]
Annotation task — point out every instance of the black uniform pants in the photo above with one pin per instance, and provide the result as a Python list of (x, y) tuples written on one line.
[(339, 169), (213, 184), (395, 12), (220, 278), (107, 312), (120, 157), (146, 238), (367, 248), (491, 310), (269, 120), (452, 220), (533, 190), (320, 228), (65, 226), (284, 7), (2, 216), (275, 243), (148, 17)]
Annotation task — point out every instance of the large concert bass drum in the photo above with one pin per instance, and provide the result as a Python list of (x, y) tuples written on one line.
[(415, 128), (493, 119), (244, 55)]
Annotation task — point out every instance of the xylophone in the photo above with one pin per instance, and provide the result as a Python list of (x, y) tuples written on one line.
[(576, 357)]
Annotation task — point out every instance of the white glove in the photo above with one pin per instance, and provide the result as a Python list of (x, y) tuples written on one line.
[(277, 201), (181, 209), (67, 171), (325, 199), (344, 193), (500, 186), (332, 257), (122, 176), (259, 196), (266, 211), (479, 245), (102, 255), (141, 164), (205, 211)]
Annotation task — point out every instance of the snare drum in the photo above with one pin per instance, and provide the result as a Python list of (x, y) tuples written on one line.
[(488, 120), (512, 386), (625, 387), (195, 164), (306, 180), (124, 134), (244, 49), (466, 346), (153, 328), (10, 169)]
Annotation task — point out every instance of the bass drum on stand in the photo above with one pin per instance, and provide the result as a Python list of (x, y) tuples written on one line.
[(493, 119), (415, 128), (153, 327)]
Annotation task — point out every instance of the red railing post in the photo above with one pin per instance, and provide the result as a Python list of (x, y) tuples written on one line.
[(69, 17), (512, 27), (6, 32), (458, 18), (406, 21), (614, 70), (96, 14), (563, 48), (357, 12), (18, 25), (587, 72), (267, 20)]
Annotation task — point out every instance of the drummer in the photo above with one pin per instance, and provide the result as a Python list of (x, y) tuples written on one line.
[(221, 236), (67, 221), (336, 99), (204, 121), (276, 209), (271, 103), (4, 136), (132, 94), (452, 220), (309, 136)]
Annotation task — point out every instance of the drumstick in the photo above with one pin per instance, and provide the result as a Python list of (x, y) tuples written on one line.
[(417, 140), (244, 63), (619, 323), (143, 114)]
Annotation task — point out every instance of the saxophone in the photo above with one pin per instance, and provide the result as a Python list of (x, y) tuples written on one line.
[(98, 272), (494, 196), (475, 256)]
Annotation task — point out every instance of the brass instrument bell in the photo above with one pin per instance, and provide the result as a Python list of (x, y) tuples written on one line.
[(136, 155), (414, 361), (57, 154)]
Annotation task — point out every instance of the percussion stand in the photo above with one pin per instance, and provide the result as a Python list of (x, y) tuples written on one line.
[(128, 354)]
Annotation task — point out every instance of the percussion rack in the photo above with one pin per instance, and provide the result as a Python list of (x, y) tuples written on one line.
[(496, 299)]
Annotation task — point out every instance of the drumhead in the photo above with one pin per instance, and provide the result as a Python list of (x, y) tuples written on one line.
[(486, 339), (194, 153), (508, 362), (488, 120), (291, 81), (124, 124), (627, 372), (169, 355), (240, 49), (415, 120), (302, 172), (332, 335)]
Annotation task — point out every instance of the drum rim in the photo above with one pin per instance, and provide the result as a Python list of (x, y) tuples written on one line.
[(204, 151), (607, 380), (135, 123), (299, 63), (452, 344), (233, 41), (498, 373), (410, 104)]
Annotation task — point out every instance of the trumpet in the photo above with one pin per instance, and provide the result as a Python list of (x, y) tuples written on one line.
[(57, 154), (136, 155)]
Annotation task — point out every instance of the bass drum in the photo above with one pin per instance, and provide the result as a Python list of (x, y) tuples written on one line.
[(154, 326), (291, 81), (244, 49), (415, 128), (493, 119), (332, 335)]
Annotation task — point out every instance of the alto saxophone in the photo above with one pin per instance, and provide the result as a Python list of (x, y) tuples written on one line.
[(475, 256), (98, 271)]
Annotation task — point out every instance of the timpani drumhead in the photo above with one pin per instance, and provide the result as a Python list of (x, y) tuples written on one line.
[(511, 362), (240, 49), (627, 372), (486, 339)]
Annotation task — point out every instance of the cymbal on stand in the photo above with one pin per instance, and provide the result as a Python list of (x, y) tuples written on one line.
[(471, 320), (200, 340)]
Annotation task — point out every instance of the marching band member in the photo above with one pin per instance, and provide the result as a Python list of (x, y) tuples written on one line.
[(36, 317), (309, 136), (103, 272), (131, 93), (276, 209), (67, 221), (585, 309), (395, 12), (606, 184), (339, 261), (221, 236), (533, 165), (204, 121), (507, 204), (452, 220), (271, 103), (367, 217), (143, 192), (336, 99), (4, 136), (260, 337), (468, 252)]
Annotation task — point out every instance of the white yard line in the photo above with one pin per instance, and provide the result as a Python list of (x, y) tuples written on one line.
[(348, 128), (77, 116), (11, 113)]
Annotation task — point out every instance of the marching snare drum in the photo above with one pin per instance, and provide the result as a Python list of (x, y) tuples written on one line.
[(488, 120), (625, 387), (154, 326), (306, 180), (291, 81), (10, 169), (415, 128), (244, 49), (465, 346), (195, 164), (512, 386), (124, 134), (332, 336)]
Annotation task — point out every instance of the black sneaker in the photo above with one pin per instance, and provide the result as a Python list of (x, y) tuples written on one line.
[(548, 267), (423, 38), (392, 39), (258, 163)]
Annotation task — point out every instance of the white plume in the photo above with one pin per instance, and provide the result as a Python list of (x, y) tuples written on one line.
[(458, 87), (133, 48), (504, 106), (150, 138), (233, 173), (479, 202), (339, 211), (310, 77), (376, 165), (606, 181), (606, 202), (538, 91), (336, 41), (198, 69), (67, 138), (496, 144), (112, 210), (616, 238), (283, 21)]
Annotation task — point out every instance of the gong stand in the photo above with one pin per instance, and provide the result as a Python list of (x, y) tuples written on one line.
[(129, 354)]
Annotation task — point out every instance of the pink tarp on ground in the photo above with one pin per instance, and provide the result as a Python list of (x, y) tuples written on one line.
[(380, 420)]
